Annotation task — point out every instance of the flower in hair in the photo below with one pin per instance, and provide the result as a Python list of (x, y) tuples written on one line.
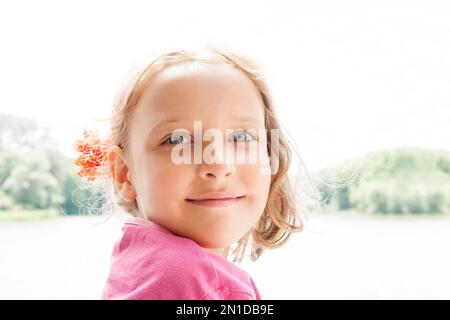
[(93, 155)]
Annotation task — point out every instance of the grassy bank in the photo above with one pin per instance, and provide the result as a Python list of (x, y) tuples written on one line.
[(28, 215), (353, 213)]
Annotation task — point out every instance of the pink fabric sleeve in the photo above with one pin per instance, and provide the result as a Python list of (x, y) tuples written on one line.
[(226, 294)]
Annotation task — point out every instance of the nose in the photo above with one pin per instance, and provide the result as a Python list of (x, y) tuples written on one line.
[(216, 171), (216, 165)]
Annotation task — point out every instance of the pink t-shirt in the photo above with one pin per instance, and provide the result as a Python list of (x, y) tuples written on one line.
[(151, 262)]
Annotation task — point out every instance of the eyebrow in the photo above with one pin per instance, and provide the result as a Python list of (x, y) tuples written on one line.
[(159, 124), (249, 119), (164, 123)]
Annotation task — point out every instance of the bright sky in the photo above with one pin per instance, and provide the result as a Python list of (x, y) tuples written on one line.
[(348, 77)]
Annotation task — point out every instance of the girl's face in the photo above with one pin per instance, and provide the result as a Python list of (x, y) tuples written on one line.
[(222, 98)]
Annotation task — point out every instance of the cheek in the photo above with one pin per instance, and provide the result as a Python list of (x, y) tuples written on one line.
[(252, 174), (256, 184), (161, 179)]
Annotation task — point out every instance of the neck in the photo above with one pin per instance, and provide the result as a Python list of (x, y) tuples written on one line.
[(218, 251)]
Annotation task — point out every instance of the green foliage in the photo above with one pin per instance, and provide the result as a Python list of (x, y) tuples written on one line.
[(342, 199), (18, 214), (398, 181), (7, 161), (326, 192), (33, 176), (6, 202), (39, 179), (64, 170), (32, 184)]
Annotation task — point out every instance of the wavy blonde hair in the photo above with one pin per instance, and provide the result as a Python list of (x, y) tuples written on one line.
[(280, 217)]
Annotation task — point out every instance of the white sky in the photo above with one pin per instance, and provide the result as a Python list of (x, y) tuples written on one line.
[(348, 77)]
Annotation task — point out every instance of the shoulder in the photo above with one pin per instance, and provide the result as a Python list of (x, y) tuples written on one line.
[(182, 262), (229, 294), (235, 282), (150, 264)]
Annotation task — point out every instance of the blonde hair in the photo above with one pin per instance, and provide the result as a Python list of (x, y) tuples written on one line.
[(280, 217)]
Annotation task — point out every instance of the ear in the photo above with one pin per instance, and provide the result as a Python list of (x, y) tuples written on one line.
[(120, 173)]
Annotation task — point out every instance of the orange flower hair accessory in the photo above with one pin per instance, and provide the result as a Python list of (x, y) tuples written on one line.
[(93, 155)]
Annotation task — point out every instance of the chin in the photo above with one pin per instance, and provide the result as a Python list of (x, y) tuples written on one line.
[(215, 243)]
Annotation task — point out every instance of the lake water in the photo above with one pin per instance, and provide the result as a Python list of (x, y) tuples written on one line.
[(335, 257)]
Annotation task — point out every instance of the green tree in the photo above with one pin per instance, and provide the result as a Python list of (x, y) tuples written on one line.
[(5, 201), (31, 183), (8, 159), (405, 180)]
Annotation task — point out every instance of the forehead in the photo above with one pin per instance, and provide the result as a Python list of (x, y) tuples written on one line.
[(199, 90)]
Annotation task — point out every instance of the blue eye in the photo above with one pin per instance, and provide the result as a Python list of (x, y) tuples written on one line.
[(243, 136), (176, 139)]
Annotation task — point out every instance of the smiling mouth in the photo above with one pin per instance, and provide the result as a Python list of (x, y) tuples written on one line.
[(217, 202)]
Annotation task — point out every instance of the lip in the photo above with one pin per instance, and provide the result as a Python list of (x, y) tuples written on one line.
[(216, 199), (215, 196)]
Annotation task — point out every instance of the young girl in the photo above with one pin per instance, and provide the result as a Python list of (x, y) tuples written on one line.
[(189, 218)]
